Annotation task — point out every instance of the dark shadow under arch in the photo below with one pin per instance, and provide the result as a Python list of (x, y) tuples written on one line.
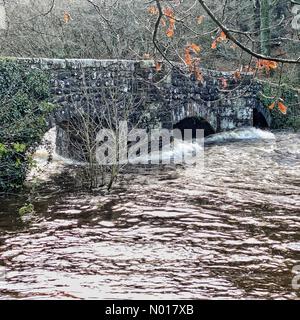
[(195, 123), (259, 120)]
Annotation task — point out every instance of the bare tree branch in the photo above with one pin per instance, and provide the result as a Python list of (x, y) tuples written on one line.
[(239, 44)]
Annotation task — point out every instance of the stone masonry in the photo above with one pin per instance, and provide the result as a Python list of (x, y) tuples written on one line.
[(169, 95)]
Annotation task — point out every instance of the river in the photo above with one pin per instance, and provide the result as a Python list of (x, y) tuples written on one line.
[(230, 231)]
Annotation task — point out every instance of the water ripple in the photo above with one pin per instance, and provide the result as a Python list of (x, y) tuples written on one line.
[(231, 231)]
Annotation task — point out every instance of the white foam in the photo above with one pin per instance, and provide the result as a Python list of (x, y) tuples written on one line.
[(181, 148), (248, 133), (45, 169), (47, 161)]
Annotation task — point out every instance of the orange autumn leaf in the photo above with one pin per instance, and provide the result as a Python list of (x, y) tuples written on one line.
[(273, 65), (168, 12), (153, 10), (198, 75), (67, 17), (200, 19), (158, 66), (222, 36), (282, 108), (214, 45), (170, 33), (237, 75), (272, 106), (266, 64), (195, 48), (188, 53), (187, 56)]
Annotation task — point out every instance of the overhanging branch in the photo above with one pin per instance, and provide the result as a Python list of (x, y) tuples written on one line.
[(239, 44)]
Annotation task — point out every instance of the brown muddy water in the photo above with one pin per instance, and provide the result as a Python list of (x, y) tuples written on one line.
[(230, 231)]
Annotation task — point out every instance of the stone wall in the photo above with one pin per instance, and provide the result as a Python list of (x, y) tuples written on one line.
[(170, 95)]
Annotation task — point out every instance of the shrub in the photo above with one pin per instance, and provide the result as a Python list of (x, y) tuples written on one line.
[(23, 112), (291, 99)]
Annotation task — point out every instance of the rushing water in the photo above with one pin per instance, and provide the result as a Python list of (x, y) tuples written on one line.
[(231, 231)]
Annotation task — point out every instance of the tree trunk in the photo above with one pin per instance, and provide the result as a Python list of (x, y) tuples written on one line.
[(256, 7), (265, 23)]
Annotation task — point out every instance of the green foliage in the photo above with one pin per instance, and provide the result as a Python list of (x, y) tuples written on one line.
[(291, 100), (23, 111), (26, 209)]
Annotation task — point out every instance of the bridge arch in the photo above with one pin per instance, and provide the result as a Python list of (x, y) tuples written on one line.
[(261, 117), (192, 115), (195, 123)]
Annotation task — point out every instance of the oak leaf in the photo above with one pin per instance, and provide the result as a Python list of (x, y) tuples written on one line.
[(272, 106), (282, 108), (170, 32), (267, 65), (214, 45), (169, 13), (222, 36), (158, 66), (187, 56), (195, 48)]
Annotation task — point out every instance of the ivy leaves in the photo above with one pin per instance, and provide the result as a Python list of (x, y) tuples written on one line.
[(23, 111)]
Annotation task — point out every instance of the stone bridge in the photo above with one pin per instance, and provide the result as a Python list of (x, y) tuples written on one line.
[(171, 97)]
